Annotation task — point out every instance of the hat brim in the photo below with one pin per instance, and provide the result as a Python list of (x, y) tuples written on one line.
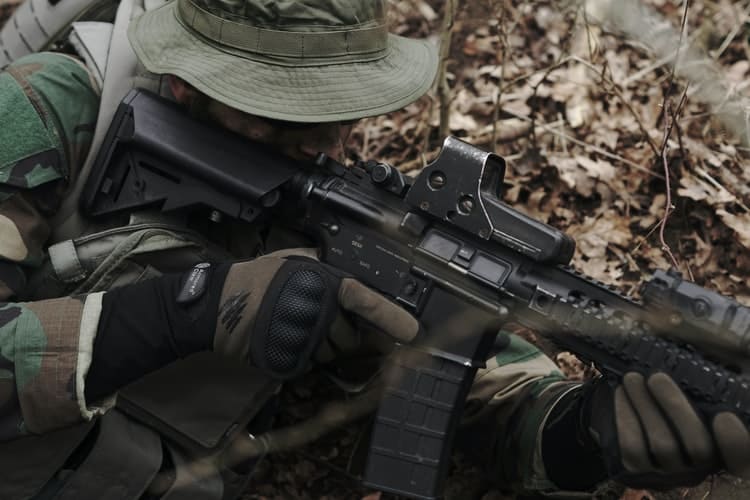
[(302, 93)]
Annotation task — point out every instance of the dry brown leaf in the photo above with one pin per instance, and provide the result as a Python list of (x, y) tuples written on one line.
[(427, 12), (570, 365), (578, 111), (595, 234), (703, 252), (739, 223), (699, 190), (606, 271), (597, 169), (607, 138), (736, 73), (462, 121), (655, 257), (655, 212), (572, 175)]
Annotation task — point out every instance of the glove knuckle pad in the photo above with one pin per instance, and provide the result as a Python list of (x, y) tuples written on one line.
[(294, 315)]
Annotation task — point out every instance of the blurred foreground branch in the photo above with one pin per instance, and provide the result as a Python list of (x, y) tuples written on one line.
[(635, 20)]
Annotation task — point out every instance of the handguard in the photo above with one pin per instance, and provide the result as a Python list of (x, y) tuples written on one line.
[(450, 252)]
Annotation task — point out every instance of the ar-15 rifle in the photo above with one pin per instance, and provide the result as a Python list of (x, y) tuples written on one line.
[(448, 250)]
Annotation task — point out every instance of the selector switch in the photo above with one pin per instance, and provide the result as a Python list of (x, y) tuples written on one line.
[(466, 253)]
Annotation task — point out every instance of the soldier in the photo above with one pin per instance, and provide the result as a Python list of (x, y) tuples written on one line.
[(292, 75)]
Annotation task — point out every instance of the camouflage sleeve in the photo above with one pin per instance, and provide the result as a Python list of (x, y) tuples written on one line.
[(45, 353), (506, 411), (50, 104)]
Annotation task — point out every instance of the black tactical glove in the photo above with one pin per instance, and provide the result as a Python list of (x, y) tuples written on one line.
[(275, 312), (645, 433), (280, 310)]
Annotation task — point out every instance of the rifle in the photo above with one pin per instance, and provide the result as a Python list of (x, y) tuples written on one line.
[(445, 247)]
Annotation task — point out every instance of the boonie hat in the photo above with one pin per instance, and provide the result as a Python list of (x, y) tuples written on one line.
[(302, 61)]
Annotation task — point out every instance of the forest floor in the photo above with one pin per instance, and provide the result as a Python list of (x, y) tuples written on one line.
[(576, 108), (580, 106)]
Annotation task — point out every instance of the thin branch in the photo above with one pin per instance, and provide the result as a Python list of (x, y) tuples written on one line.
[(547, 70), (644, 239), (668, 208), (444, 90), (499, 89), (669, 121), (615, 88)]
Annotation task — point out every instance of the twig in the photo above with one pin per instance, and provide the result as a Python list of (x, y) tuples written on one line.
[(645, 71), (547, 70), (669, 121), (444, 90), (533, 95), (683, 27), (736, 199), (668, 205), (644, 239), (613, 87), (499, 89)]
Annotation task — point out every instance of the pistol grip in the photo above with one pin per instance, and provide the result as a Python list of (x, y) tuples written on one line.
[(415, 424)]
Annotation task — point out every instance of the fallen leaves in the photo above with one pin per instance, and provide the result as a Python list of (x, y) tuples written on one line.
[(739, 223)]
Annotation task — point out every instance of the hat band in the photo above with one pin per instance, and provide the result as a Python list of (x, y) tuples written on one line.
[(281, 43)]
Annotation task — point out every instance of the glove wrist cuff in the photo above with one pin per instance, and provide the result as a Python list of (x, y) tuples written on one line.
[(571, 456)]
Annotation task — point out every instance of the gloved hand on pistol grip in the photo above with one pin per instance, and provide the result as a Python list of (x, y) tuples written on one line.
[(278, 312), (651, 436), (284, 309)]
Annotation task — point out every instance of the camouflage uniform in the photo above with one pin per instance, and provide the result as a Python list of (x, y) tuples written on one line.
[(51, 104), (45, 346)]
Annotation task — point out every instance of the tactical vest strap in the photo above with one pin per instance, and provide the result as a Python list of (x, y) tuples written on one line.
[(151, 239), (64, 259)]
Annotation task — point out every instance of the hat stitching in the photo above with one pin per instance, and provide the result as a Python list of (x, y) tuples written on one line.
[(269, 59), (346, 27), (204, 23)]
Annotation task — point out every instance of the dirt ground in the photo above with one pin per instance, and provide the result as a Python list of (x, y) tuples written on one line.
[(579, 105)]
